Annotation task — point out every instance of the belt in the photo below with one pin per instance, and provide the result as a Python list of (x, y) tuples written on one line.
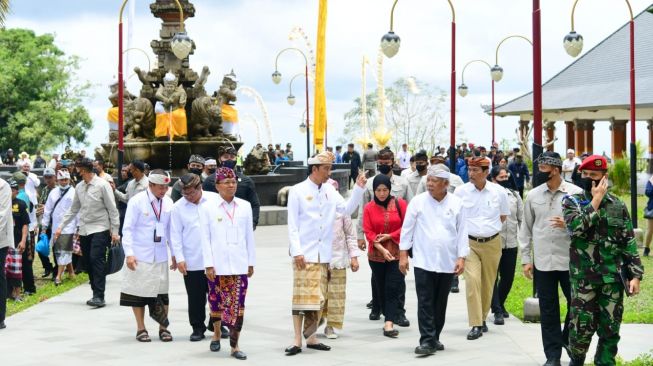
[(483, 240)]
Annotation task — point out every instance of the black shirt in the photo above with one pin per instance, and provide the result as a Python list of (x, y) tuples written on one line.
[(353, 158), (21, 218)]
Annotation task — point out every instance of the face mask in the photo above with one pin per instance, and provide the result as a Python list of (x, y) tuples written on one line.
[(541, 178), (384, 169), (231, 164), (504, 183), (212, 171), (421, 168), (586, 183), (196, 171), (64, 187), (130, 175), (96, 171)]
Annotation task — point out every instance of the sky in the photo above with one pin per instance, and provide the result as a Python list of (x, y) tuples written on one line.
[(245, 35)]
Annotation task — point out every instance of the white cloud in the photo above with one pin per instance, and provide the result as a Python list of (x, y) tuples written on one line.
[(246, 35)]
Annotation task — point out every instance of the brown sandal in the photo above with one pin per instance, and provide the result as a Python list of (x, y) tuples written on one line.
[(165, 335), (142, 336)]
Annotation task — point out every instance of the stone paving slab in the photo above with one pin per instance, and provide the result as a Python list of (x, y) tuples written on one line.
[(64, 331)]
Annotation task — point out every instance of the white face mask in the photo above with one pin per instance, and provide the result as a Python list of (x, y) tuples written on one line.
[(64, 187)]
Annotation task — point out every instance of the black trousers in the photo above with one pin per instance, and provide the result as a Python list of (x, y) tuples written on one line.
[(432, 294), (94, 247), (547, 290), (389, 281), (505, 277), (196, 287), (3, 284), (376, 304), (28, 263)]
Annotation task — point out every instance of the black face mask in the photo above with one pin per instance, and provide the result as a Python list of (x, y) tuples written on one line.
[(586, 183), (96, 171), (541, 178), (196, 171), (504, 183), (231, 164), (420, 168), (383, 168), (130, 175), (212, 171)]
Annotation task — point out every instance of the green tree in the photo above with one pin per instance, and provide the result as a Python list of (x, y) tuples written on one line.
[(40, 99)]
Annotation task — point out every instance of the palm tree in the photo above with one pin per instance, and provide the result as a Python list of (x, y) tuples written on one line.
[(4, 10)]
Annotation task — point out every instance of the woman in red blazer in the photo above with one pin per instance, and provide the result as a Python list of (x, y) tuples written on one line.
[(382, 220)]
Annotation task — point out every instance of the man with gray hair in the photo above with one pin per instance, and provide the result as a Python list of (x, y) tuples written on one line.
[(436, 230)]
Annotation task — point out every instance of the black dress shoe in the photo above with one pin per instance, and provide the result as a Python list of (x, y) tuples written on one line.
[(96, 302), (239, 355), (439, 346), (214, 346), (197, 336), (319, 347), (475, 333), (484, 328), (47, 273), (224, 332), (577, 361), (3, 325), (552, 362), (293, 350), (375, 316), (455, 289), (498, 319), (369, 305), (392, 333), (424, 349), (506, 315), (403, 322)]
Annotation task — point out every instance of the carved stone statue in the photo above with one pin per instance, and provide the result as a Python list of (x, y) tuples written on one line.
[(257, 162), (206, 118), (113, 113), (198, 87), (139, 120), (170, 109)]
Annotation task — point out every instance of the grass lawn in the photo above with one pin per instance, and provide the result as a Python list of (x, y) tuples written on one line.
[(45, 288)]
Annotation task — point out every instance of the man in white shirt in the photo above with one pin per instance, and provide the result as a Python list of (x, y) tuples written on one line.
[(569, 164), (210, 166), (411, 168), (229, 258), (421, 165), (436, 229), (24, 159), (53, 162), (187, 225), (146, 238), (404, 157), (544, 234), (312, 206), (6, 242), (485, 206)]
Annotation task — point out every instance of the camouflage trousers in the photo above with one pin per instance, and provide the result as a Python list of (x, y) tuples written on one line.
[(595, 308)]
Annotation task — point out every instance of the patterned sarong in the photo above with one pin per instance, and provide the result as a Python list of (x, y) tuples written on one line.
[(334, 311), (227, 300), (14, 264), (309, 287)]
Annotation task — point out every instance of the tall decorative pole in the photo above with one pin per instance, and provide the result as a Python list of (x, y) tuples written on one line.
[(573, 44), (537, 85)]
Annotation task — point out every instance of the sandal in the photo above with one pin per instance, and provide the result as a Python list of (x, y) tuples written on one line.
[(164, 335), (142, 336)]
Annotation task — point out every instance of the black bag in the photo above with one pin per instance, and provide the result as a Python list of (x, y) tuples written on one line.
[(115, 259)]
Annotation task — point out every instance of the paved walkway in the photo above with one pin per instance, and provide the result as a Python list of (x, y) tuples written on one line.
[(64, 331)]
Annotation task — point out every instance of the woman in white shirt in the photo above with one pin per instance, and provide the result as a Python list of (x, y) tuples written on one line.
[(229, 259), (58, 203)]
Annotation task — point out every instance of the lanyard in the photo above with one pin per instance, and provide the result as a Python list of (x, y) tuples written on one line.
[(157, 214), (230, 215)]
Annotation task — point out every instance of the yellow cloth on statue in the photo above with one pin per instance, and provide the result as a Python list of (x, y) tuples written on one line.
[(171, 124), (112, 117), (229, 113)]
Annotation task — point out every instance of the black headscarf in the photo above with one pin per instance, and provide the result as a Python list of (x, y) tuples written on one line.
[(382, 179)]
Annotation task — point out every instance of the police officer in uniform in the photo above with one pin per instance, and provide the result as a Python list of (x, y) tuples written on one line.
[(603, 263)]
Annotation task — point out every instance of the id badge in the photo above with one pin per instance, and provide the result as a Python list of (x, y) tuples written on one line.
[(232, 235), (158, 232)]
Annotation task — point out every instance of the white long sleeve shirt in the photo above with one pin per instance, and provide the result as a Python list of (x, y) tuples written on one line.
[(311, 212), (484, 208), (437, 232), (57, 213), (188, 223), (229, 245), (32, 182), (6, 218), (139, 228), (404, 159)]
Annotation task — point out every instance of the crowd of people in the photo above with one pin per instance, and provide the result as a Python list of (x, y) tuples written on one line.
[(414, 212)]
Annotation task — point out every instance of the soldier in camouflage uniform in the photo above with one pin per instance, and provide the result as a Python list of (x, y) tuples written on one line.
[(602, 241)]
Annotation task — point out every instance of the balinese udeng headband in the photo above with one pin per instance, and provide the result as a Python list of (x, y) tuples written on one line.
[(224, 173), (211, 162), (549, 160), (63, 174), (196, 159), (161, 179), (438, 172)]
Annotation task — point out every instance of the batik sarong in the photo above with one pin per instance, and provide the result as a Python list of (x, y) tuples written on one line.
[(334, 311)]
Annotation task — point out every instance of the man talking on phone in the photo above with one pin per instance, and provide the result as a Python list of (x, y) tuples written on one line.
[(603, 263)]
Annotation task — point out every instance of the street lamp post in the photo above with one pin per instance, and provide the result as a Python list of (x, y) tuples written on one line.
[(181, 45), (573, 44), (463, 89), (390, 43), (276, 78), (291, 98)]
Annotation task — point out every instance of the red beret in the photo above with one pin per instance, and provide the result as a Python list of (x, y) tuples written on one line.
[(594, 162)]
